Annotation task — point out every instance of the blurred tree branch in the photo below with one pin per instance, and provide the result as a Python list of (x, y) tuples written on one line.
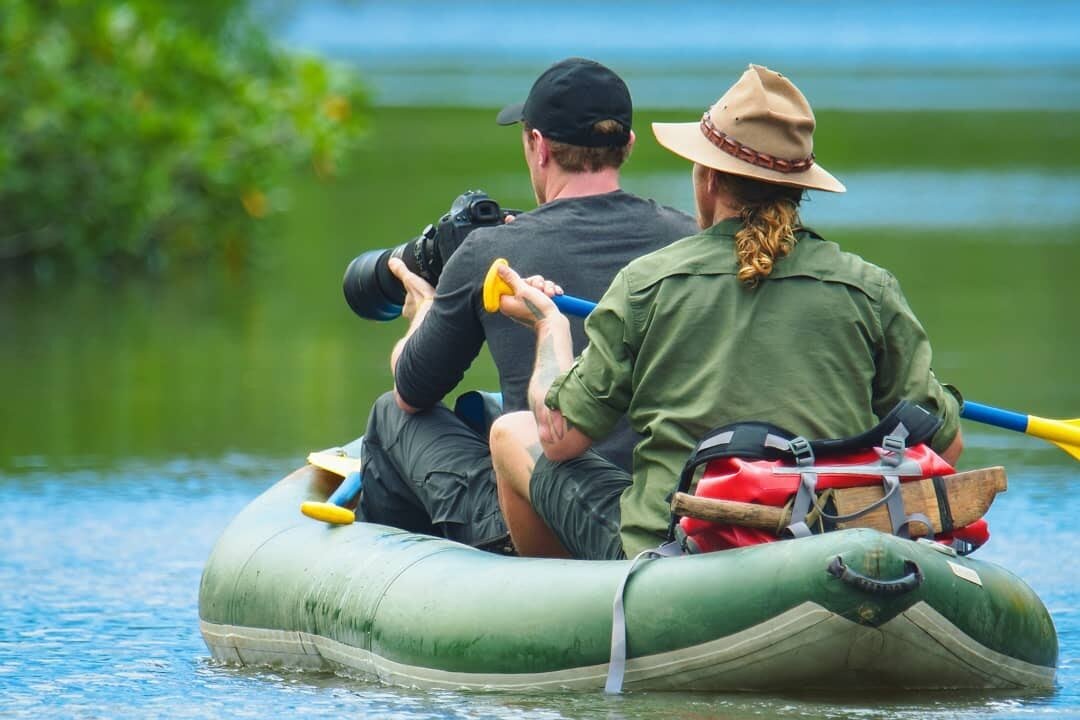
[(143, 133)]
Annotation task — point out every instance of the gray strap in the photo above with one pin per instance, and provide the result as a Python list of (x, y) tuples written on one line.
[(777, 442), (898, 516), (917, 518), (617, 661), (893, 446), (859, 513), (804, 500), (905, 468), (894, 504), (804, 496), (798, 530), (719, 439)]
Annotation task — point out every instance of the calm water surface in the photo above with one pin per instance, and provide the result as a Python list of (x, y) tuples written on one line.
[(139, 419), (98, 607)]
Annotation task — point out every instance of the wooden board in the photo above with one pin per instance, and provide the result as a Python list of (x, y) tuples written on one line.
[(335, 461), (970, 495)]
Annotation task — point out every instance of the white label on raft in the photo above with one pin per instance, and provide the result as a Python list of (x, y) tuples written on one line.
[(965, 573)]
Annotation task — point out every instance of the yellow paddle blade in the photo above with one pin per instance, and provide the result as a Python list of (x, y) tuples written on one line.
[(495, 287), (1073, 450), (1070, 448), (1063, 433), (328, 513)]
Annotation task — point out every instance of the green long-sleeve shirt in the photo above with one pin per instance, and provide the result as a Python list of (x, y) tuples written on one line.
[(824, 346)]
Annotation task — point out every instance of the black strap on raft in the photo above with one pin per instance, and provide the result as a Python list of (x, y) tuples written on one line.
[(911, 580), (906, 424)]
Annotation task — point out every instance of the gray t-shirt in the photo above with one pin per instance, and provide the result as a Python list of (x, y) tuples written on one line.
[(579, 243)]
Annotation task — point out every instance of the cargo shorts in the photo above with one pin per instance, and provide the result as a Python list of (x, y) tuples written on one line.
[(579, 501)]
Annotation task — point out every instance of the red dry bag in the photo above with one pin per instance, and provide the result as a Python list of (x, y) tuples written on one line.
[(760, 463)]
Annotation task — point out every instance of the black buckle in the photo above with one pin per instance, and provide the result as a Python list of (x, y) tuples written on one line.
[(894, 448), (800, 448)]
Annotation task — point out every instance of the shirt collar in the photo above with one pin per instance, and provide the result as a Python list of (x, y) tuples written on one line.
[(725, 228)]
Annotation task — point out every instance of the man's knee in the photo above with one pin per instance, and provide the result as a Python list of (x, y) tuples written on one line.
[(514, 451), (512, 434)]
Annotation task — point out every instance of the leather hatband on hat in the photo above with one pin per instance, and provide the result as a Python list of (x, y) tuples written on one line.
[(748, 154), (761, 128)]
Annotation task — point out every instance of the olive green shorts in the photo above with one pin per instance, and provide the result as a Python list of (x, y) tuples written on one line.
[(579, 500)]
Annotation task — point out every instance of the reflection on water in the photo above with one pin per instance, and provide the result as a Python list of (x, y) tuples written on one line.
[(849, 54), (1011, 199)]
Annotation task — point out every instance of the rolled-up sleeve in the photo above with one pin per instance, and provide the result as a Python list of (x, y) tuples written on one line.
[(595, 392), (904, 367)]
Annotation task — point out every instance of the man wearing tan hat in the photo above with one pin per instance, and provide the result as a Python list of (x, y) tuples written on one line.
[(756, 318)]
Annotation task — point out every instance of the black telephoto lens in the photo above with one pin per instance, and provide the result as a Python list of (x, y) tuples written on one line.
[(371, 289)]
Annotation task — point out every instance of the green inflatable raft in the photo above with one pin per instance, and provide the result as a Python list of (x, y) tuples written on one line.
[(853, 609)]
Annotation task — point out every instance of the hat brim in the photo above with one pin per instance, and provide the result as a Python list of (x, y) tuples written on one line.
[(511, 114), (686, 140)]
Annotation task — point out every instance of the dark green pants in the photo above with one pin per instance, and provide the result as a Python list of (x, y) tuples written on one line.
[(579, 501), (430, 473)]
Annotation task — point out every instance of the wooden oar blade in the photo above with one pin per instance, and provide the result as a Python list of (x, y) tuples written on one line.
[(335, 462), (969, 495)]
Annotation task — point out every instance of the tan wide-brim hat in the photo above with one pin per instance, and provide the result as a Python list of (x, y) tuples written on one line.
[(762, 128)]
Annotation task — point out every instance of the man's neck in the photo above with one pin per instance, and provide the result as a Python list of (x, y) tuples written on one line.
[(571, 185)]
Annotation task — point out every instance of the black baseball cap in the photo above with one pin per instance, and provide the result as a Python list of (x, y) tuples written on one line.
[(569, 98)]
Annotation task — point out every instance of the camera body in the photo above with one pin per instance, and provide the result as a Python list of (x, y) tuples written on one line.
[(373, 292)]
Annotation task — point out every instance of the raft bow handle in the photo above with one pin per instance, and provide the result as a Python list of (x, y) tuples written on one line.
[(909, 582)]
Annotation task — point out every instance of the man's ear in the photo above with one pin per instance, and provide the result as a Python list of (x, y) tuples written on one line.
[(713, 181), (630, 143), (540, 146)]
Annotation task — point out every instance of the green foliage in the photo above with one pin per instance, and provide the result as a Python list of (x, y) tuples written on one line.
[(144, 133)]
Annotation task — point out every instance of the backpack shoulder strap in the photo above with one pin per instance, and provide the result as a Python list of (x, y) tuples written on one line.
[(908, 421), (751, 440)]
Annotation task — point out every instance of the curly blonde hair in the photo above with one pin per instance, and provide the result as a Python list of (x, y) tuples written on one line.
[(770, 215)]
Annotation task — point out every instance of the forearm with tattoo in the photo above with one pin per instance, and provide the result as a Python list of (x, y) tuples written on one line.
[(554, 355)]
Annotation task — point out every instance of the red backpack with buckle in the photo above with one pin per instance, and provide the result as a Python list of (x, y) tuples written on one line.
[(760, 463)]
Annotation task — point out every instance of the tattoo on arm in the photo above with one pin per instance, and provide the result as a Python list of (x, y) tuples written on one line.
[(553, 356), (533, 309), (547, 363)]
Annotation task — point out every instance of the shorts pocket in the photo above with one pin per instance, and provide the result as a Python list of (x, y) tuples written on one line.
[(446, 496)]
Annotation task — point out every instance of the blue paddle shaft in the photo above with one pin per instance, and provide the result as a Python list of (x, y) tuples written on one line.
[(346, 491), (971, 410), (994, 416), (570, 305)]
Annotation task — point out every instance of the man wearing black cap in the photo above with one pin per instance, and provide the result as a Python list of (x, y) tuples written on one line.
[(427, 470)]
